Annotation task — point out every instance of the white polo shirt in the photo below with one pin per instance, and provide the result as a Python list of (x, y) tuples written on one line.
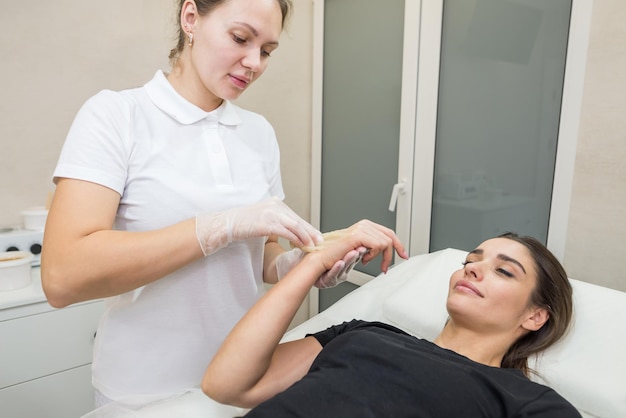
[(169, 160)]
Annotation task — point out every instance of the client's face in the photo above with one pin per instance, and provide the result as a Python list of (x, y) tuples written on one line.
[(491, 292)]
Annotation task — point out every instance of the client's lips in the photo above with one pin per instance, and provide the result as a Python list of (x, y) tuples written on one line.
[(467, 287)]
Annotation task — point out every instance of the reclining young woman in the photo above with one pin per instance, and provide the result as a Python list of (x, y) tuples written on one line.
[(509, 300)]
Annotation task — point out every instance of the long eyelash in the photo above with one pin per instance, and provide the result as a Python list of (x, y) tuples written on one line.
[(506, 273), (499, 270)]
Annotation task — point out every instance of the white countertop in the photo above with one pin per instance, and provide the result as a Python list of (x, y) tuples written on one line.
[(26, 295)]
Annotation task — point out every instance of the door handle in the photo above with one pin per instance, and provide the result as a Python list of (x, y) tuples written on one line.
[(398, 188)]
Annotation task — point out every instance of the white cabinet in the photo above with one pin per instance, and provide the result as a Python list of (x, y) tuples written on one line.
[(66, 394), (45, 357)]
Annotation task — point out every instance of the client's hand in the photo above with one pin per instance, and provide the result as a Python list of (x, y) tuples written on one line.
[(341, 269), (331, 278), (375, 238)]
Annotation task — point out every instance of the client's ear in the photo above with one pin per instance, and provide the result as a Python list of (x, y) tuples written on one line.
[(535, 318)]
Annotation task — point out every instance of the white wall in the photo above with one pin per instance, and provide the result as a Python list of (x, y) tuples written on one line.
[(55, 54), (58, 53), (596, 242)]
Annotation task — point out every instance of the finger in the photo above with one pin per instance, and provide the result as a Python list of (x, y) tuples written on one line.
[(281, 231), (352, 255), (387, 259), (313, 233), (306, 234), (287, 226), (286, 219), (387, 242), (350, 266), (335, 269), (329, 278)]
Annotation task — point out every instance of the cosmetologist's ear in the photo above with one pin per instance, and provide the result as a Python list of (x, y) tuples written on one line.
[(188, 14)]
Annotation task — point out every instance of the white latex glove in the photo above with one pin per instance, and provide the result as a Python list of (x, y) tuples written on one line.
[(288, 260), (331, 278), (270, 217), (341, 269)]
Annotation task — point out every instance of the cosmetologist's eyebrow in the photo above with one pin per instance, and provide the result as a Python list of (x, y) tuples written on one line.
[(254, 31)]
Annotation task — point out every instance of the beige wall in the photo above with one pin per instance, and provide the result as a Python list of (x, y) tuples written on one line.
[(58, 53), (596, 240)]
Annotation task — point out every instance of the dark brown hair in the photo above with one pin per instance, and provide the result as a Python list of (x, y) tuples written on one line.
[(552, 292), (206, 6)]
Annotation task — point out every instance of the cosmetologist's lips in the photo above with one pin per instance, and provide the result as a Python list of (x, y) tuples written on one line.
[(240, 81)]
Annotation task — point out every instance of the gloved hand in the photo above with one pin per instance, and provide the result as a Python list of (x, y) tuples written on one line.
[(270, 217), (341, 269), (331, 278), (288, 260)]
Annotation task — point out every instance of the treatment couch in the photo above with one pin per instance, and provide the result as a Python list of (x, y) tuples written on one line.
[(587, 367)]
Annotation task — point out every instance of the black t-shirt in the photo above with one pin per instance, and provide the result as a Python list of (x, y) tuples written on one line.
[(371, 369)]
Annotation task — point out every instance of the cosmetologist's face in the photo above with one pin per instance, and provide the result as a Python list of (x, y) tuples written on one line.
[(233, 43)]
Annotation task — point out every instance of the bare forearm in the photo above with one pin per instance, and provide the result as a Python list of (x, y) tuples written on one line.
[(106, 262), (251, 366), (248, 352), (272, 250)]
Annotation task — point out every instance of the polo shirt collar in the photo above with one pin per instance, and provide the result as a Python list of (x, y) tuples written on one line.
[(171, 102)]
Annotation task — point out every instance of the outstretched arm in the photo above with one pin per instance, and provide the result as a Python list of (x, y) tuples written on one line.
[(251, 366), (83, 258)]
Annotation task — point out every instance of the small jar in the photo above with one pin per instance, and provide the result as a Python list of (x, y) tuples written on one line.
[(34, 219), (15, 269)]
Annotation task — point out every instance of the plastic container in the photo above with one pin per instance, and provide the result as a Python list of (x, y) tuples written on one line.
[(34, 218), (15, 270)]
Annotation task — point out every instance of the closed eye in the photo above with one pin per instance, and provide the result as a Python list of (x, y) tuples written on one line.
[(239, 39), (505, 272)]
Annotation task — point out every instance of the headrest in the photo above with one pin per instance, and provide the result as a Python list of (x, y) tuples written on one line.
[(587, 366), (419, 306)]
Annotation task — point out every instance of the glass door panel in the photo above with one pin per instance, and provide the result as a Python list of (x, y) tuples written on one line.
[(362, 77), (500, 93), (363, 41)]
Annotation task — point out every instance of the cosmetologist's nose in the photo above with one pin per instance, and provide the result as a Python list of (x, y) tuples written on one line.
[(252, 60)]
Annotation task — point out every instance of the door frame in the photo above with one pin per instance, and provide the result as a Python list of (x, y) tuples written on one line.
[(418, 122), (425, 118), (403, 206)]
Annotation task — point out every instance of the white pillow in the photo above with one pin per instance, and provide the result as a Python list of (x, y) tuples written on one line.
[(587, 367), (419, 306)]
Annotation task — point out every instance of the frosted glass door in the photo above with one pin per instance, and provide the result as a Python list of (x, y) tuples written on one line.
[(500, 93), (361, 112), (362, 77), (474, 105)]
